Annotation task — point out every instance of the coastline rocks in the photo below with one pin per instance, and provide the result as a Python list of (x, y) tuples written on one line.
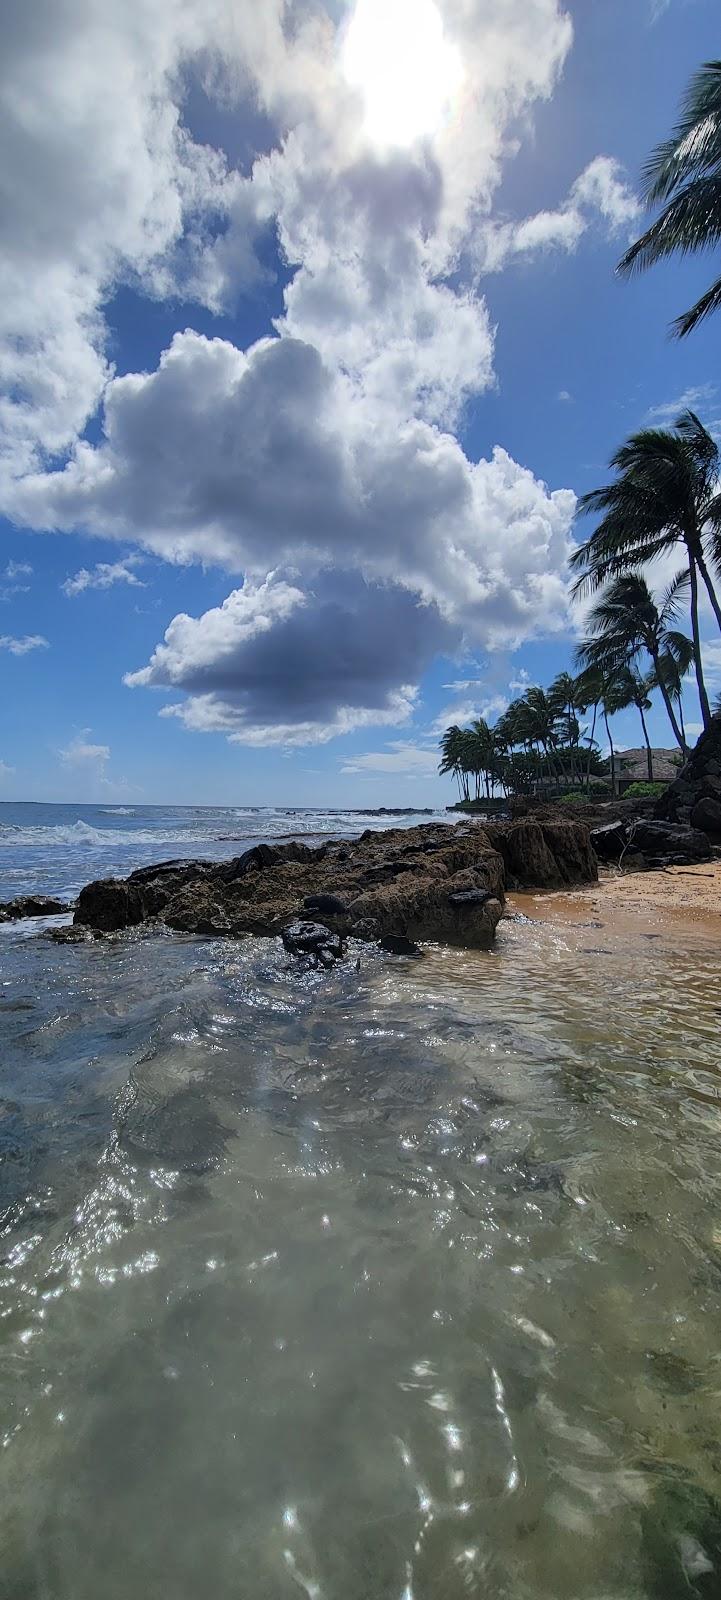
[(696, 792), (609, 840), (546, 854), (669, 842), (431, 882), (706, 815), (32, 905)]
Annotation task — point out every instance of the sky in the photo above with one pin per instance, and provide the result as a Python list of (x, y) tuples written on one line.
[(310, 338)]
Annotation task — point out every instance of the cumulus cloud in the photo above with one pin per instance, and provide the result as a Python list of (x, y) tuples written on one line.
[(600, 198), (325, 452), (17, 569), (276, 664), (103, 576), (22, 647), (261, 458)]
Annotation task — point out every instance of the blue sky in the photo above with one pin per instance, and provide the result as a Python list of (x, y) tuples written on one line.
[(264, 328)]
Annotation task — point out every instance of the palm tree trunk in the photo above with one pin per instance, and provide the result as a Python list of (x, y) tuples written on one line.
[(713, 597), (683, 729), (702, 695), (590, 747), (613, 754), (678, 729), (649, 752)]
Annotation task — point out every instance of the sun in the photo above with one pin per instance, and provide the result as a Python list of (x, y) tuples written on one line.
[(396, 54)]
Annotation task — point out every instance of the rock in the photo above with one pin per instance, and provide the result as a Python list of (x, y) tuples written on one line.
[(32, 905), (706, 815), (109, 904), (664, 839), (433, 882), (696, 782), (545, 854), (469, 897), (327, 905), (74, 935), (608, 840), (397, 945), (312, 939)]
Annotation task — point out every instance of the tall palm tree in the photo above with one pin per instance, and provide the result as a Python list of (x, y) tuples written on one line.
[(666, 494), (452, 756), (674, 664), (638, 687), (589, 688), (567, 699), (624, 623), (684, 175)]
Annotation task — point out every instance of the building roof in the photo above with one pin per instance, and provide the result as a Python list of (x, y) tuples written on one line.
[(634, 765)]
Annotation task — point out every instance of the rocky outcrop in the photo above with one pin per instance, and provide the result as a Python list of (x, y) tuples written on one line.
[(668, 843), (544, 854), (645, 842), (398, 887), (695, 796), (31, 905)]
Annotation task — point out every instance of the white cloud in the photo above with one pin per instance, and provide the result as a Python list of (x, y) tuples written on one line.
[(17, 569), (103, 576), (402, 759), (325, 446), (312, 480), (696, 398), (22, 647), (599, 197), (565, 396), (82, 752), (711, 651)]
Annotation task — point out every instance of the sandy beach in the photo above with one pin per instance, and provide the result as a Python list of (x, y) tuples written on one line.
[(657, 901)]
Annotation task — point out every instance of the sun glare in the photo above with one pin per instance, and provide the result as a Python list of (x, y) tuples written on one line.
[(396, 54)]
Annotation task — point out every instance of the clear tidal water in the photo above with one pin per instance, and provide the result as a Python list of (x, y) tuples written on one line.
[(399, 1283)]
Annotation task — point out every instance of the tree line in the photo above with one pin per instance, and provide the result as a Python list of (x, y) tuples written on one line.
[(663, 504)]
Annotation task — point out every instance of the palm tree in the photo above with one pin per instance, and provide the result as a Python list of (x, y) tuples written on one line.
[(452, 756), (625, 622), (638, 687), (674, 664), (666, 494), (566, 698), (684, 175), (589, 688)]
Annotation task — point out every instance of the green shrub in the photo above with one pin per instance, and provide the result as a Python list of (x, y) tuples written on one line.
[(576, 796), (645, 791)]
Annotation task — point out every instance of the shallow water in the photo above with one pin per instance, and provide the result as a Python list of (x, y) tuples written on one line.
[(403, 1282)]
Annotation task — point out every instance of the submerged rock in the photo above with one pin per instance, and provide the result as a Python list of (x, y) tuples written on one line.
[(32, 905), (313, 939), (431, 882)]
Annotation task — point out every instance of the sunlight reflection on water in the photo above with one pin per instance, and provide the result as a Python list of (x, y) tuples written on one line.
[(399, 1283)]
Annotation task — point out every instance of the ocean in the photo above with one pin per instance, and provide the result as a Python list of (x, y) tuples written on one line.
[(398, 1282)]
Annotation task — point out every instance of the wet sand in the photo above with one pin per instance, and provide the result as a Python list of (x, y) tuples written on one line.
[(648, 902)]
